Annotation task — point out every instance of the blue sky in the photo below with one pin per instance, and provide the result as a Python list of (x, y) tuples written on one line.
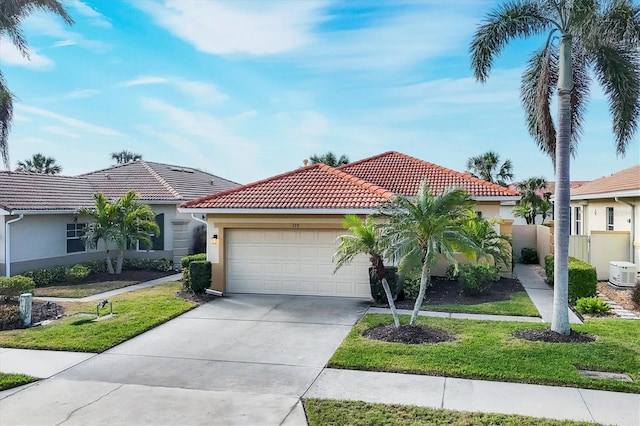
[(246, 90)]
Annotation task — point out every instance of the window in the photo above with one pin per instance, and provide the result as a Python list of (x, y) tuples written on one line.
[(157, 241), (609, 218), (578, 221), (74, 233), (479, 214)]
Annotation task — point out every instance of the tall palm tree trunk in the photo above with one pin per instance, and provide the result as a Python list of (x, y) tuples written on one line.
[(424, 278), (560, 316), (120, 260), (109, 263)]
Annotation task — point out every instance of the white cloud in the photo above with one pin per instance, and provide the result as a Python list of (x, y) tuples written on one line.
[(255, 28), (81, 94), (202, 92), (19, 117), (144, 80), (12, 56), (48, 25), (77, 124), (60, 131), (205, 93), (94, 16)]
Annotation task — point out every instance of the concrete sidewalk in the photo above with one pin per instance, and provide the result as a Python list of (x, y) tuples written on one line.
[(107, 294), (553, 402)]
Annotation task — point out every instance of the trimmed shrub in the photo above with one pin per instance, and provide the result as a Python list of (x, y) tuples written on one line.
[(452, 272), (16, 285), (199, 275), (476, 278), (635, 295), (593, 306), (48, 276), (583, 280), (529, 256), (78, 272), (162, 265), (394, 280), (185, 261), (10, 317)]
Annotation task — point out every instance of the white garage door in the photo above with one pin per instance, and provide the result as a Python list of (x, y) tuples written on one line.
[(283, 261)]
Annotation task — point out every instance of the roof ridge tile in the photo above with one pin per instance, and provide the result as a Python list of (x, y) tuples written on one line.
[(161, 180), (371, 187)]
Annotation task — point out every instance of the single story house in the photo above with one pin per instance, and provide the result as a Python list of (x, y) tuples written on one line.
[(278, 235), (37, 226), (607, 212)]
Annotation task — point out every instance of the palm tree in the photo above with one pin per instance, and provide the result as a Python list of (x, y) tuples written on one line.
[(329, 159), (487, 167), (524, 209), (102, 228), (12, 13), (134, 222), (364, 239), (489, 242), (125, 156), (123, 222), (417, 229), (530, 190), (38, 163), (585, 39)]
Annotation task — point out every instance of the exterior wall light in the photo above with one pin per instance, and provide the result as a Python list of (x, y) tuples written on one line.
[(214, 239)]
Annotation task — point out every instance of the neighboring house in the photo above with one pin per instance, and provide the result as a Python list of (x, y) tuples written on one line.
[(278, 235), (37, 211), (607, 210)]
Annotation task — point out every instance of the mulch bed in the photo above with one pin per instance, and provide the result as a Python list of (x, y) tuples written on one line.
[(409, 334), (546, 335), (40, 311), (195, 297), (446, 292)]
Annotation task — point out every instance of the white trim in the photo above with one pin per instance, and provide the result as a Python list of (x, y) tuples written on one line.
[(497, 198), (613, 194)]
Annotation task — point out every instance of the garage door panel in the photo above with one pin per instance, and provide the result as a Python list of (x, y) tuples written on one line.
[(291, 262)]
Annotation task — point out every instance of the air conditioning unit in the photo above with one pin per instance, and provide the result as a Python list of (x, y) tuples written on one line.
[(622, 274)]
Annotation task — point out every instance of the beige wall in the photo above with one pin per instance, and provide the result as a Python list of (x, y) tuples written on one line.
[(607, 246), (523, 236), (544, 242)]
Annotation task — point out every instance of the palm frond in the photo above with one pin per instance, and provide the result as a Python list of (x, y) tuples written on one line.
[(617, 69), (511, 20), (6, 118)]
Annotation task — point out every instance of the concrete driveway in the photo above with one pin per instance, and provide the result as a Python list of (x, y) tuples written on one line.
[(242, 359)]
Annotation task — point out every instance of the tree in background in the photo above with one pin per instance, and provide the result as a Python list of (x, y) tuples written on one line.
[(125, 156), (533, 195), (38, 163), (123, 222), (329, 159), (12, 13), (585, 39), (487, 167)]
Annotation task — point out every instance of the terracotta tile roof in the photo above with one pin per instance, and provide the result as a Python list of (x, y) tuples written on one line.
[(32, 191), (402, 174), (156, 181), (624, 180), (313, 187)]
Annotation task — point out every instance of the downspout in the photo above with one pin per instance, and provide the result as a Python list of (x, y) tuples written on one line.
[(633, 228), (197, 219), (7, 245)]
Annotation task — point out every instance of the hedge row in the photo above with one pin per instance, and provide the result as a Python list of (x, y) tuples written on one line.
[(16, 285), (61, 274), (185, 261), (583, 279)]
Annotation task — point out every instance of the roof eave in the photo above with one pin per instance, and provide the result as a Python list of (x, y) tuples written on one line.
[(611, 194), (340, 211), (496, 198)]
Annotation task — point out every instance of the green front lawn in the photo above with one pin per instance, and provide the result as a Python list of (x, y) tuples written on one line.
[(322, 412), (81, 290), (519, 305), (135, 312), (487, 350), (12, 380)]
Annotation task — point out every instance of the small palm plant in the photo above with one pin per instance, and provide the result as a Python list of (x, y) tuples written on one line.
[(488, 240), (103, 226), (418, 229), (364, 239)]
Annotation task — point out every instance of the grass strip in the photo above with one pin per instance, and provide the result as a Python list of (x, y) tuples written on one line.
[(487, 350), (12, 380), (81, 290), (327, 412), (519, 305), (135, 312)]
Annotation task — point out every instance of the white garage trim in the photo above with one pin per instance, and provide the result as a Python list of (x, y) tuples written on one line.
[(291, 261)]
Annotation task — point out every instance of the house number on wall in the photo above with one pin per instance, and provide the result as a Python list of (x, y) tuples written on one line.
[(296, 225)]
